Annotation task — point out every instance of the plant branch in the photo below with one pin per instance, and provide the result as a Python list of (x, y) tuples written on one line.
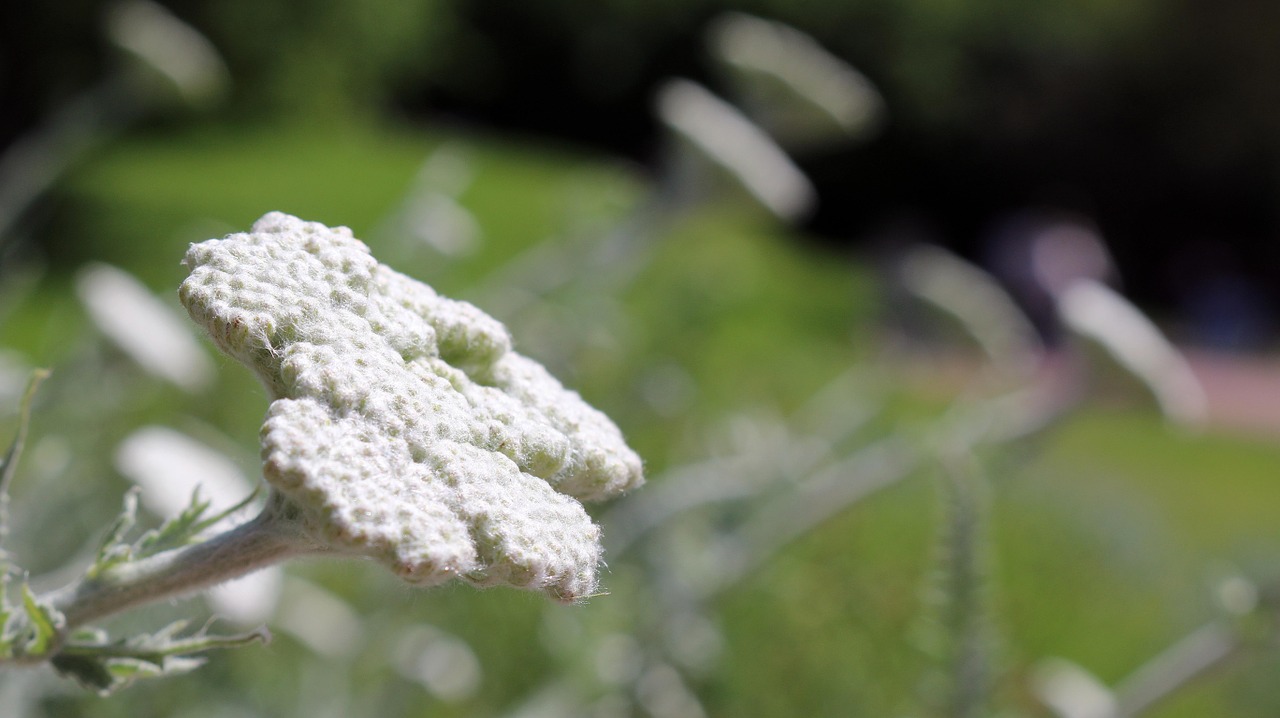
[(1196, 654), (267, 539)]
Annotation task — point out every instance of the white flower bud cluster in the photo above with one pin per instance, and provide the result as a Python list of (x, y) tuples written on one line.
[(403, 427)]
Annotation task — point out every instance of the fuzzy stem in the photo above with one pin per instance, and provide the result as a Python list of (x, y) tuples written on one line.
[(965, 613), (267, 539)]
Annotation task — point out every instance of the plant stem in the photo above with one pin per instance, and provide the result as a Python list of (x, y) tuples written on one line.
[(1196, 654), (267, 539), (9, 462), (965, 614)]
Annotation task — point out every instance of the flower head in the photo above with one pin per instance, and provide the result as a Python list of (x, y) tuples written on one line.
[(403, 427)]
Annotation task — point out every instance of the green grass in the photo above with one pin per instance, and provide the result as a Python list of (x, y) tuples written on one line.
[(142, 199)]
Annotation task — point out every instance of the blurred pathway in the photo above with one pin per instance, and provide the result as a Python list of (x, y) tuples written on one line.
[(1243, 391)]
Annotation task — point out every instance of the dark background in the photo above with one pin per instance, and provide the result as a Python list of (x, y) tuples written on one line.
[(1157, 119)]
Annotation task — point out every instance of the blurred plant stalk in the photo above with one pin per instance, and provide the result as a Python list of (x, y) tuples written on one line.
[(1246, 626)]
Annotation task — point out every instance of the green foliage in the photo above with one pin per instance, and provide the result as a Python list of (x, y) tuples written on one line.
[(43, 621), (106, 667), (38, 632), (185, 528), (182, 530), (333, 58), (114, 550)]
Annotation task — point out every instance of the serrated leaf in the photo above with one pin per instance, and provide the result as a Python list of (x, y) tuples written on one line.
[(185, 528), (106, 675), (114, 549), (108, 667), (163, 635), (129, 669), (175, 532), (164, 643), (45, 622), (211, 520)]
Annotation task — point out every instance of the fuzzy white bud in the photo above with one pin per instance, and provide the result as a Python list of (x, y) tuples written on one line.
[(403, 427)]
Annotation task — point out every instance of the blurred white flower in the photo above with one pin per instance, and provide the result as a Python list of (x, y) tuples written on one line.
[(693, 640), (51, 455), (14, 374), (441, 663), (1097, 312), (438, 220), (1071, 691), (170, 47), (168, 465), (555, 700), (664, 694), (619, 659), (448, 171), (732, 142), (249, 600), (977, 303), (144, 327), (800, 92), (431, 213), (1237, 595), (318, 619)]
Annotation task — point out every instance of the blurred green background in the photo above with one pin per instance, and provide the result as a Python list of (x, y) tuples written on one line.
[(512, 156)]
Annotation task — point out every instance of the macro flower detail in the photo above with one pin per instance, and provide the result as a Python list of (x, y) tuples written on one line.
[(402, 425)]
